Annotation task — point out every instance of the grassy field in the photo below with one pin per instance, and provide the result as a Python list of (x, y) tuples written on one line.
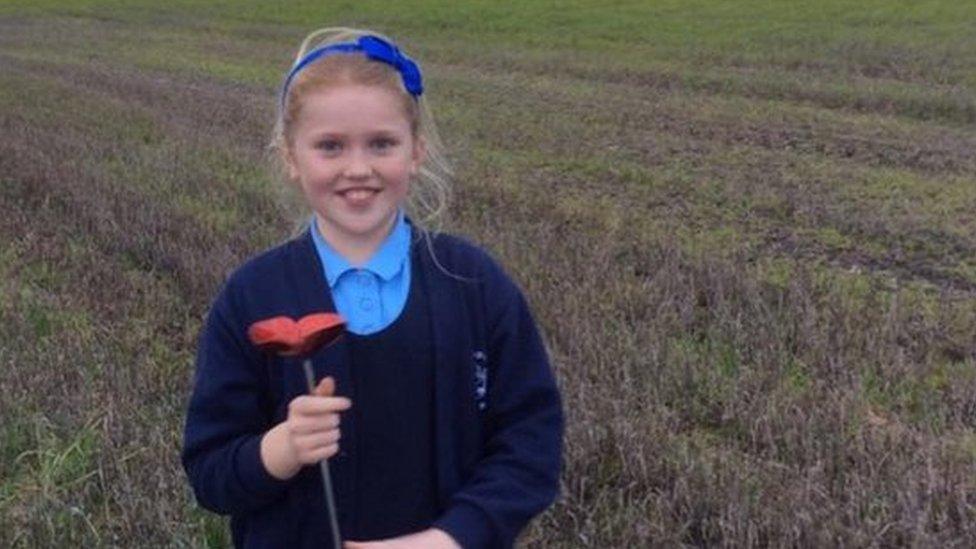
[(748, 231)]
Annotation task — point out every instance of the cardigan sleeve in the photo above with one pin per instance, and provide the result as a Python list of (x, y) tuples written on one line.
[(227, 418), (518, 475)]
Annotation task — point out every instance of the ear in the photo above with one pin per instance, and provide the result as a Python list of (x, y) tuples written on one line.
[(419, 155), (289, 160)]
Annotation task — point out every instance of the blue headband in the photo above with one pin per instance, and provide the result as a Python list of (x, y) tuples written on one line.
[(376, 49)]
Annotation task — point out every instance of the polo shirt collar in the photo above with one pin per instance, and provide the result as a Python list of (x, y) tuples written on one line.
[(386, 262)]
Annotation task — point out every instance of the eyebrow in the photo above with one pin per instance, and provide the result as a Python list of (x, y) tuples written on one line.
[(383, 132)]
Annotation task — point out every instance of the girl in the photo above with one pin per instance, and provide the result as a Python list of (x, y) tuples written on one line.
[(438, 408)]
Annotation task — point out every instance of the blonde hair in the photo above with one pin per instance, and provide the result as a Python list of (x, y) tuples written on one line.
[(430, 189)]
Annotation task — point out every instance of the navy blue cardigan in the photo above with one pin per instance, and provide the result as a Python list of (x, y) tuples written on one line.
[(498, 417)]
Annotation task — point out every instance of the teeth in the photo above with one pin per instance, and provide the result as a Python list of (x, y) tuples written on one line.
[(359, 194)]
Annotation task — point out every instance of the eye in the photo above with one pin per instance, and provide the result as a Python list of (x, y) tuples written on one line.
[(383, 143), (329, 146)]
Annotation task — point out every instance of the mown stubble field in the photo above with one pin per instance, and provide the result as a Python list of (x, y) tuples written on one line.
[(748, 231)]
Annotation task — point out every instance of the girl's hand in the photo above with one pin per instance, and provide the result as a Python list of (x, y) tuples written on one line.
[(309, 434), (431, 538)]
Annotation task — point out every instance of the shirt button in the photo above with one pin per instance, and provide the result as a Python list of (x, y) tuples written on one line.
[(366, 304)]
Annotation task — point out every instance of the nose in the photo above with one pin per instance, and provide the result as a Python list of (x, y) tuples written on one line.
[(358, 166)]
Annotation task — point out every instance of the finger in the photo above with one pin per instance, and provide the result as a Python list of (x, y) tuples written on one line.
[(310, 405), (326, 387), (314, 456), (310, 447), (310, 429), (302, 422), (311, 441), (316, 440)]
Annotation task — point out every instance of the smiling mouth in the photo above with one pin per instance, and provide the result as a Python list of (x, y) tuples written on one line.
[(358, 194)]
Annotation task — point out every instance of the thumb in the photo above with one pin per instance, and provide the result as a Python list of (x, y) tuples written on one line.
[(326, 387)]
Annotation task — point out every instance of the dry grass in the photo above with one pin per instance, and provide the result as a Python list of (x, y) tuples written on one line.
[(752, 253)]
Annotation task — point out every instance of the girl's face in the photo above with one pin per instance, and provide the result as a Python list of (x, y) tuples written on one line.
[(352, 152)]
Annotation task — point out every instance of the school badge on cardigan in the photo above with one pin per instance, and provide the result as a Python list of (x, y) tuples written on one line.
[(480, 380)]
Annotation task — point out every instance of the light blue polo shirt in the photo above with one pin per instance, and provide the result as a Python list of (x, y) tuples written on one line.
[(370, 297)]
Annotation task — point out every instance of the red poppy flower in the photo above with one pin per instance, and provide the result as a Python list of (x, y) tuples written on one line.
[(284, 336)]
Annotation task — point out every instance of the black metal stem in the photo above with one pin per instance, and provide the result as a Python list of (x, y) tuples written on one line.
[(324, 466)]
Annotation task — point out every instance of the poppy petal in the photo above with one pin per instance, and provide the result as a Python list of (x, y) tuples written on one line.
[(283, 336)]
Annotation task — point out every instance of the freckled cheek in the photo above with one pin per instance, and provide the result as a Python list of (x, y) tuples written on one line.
[(400, 177), (396, 172), (322, 174)]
